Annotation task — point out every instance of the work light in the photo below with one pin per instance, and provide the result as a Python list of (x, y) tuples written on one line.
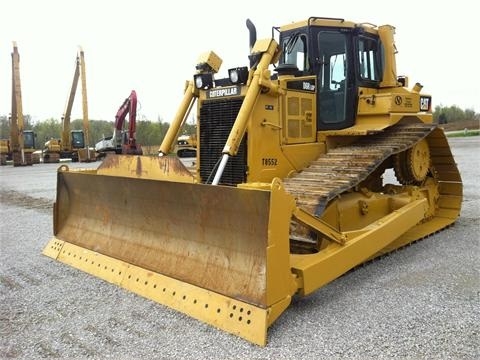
[(238, 75), (203, 81)]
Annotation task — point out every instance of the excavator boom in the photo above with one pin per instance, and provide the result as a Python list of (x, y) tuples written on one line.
[(66, 138), (122, 142), (75, 143), (22, 142)]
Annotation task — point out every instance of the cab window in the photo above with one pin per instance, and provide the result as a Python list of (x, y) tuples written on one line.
[(369, 60), (294, 51)]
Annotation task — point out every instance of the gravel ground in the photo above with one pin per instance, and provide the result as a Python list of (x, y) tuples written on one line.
[(420, 302)]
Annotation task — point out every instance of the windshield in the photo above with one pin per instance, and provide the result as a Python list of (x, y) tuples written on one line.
[(294, 51), (29, 140), (77, 139)]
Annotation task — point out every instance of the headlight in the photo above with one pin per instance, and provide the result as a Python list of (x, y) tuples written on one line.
[(203, 81), (234, 76), (198, 82), (238, 75)]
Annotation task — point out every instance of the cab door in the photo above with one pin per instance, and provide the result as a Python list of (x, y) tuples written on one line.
[(335, 78)]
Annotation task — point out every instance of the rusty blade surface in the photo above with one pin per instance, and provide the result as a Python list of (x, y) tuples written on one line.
[(213, 237), (168, 168)]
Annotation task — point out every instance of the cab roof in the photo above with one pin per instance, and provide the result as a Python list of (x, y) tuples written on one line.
[(330, 22)]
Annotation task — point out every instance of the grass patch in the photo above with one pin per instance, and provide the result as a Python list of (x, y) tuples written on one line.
[(464, 133)]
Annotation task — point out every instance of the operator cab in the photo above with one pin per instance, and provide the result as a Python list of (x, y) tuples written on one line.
[(28, 139), (78, 139), (341, 57)]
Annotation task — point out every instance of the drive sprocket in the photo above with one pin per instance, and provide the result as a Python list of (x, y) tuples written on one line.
[(412, 165)]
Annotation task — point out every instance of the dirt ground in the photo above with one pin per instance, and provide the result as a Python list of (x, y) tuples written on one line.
[(418, 303)]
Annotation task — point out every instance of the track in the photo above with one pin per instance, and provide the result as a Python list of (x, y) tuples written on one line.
[(343, 168)]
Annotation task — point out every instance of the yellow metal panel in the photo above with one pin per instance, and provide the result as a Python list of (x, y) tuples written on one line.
[(219, 254), (231, 315), (405, 102), (448, 175), (445, 159), (374, 104), (280, 282), (212, 236), (53, 248), (261, 45), (299, 111), (420, 231), (318, 269), (448, 214), (104, 267), (325, 22), (450, 201), (451, 188), (210, 58)]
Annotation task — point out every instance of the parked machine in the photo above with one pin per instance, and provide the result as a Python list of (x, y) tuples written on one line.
[(289, 191), (122, 141), (51, 151), (74, 144), (22, 142), (5, 152), (186, 146)]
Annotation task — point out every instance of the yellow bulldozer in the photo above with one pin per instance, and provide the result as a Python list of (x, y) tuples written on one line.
[(51, 151), (5, 152), (186, 146), (292, 185)]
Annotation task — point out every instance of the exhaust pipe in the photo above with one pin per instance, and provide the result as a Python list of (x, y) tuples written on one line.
[(253, 33), (252, 38)]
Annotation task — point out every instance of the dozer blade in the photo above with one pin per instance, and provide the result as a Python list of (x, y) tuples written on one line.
[(204, 250)]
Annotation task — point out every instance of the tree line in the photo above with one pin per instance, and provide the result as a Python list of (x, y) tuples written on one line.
[(148, 133), (452, 114), (151, 133)]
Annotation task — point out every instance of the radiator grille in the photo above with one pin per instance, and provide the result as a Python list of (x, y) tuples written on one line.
[(216, 120)]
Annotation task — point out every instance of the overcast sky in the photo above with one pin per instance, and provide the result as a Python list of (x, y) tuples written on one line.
[(152, 47)]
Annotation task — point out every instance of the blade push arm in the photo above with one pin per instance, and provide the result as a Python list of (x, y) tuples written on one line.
[(269, 51)]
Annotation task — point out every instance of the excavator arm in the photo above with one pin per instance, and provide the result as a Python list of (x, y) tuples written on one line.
[(85, 155), (129, 107), (119, 143), (22, 142), (75, 143), (17, 111), (132, 124), (66, 140)]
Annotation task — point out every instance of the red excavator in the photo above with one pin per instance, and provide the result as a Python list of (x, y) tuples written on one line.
[(122, 141)]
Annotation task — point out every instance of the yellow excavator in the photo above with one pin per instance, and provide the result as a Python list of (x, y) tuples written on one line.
[(74, 144), (22, 142), (293, 184)]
